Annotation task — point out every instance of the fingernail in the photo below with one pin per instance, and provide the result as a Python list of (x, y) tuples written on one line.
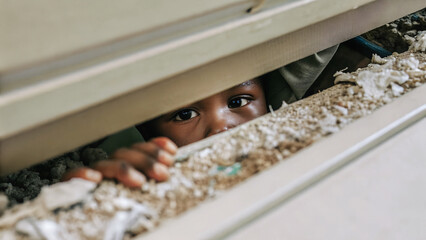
[(93, 175), (165, 158), (166, 144), (160, 172), (172, 146), (136, 176)]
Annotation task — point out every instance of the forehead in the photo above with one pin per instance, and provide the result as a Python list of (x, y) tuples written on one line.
[(248, 87), (249, 83)]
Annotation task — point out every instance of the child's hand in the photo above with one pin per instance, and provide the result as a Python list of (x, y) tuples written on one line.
[(130, 165)]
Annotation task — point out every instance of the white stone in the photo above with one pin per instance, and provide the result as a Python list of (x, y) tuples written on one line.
[(140, 225), (420, 44), (90, 231), (205, 153), (65, 194), (117, 226), (375, 83), (396, 89), (342, 110), (398, 77), (43, 229), (187, 183), (107, 207), (416, 73), (125, 220), (123, 203), (377, 59), (198, 193), (410, 63), (328, 123), (18, 212), (343, 77)]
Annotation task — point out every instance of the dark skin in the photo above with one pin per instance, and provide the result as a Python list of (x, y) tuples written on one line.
[(212, 115)]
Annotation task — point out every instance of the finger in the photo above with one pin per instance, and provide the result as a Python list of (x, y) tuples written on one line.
[(159, 172), (155, 152), (121, 171), (165, 144), (143, 162), (135, 158), (84, 173)]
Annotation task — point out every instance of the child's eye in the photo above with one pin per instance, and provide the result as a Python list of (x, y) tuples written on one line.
[(185, 114), (238, 102)]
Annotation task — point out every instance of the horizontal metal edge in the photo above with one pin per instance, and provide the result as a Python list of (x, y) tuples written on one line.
[(20, 109), (254, 198), (66, 133), (88, 24)]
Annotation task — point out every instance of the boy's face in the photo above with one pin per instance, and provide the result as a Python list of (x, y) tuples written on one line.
[(214, 114)]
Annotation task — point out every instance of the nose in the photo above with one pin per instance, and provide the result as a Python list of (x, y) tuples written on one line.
[(220, 122)]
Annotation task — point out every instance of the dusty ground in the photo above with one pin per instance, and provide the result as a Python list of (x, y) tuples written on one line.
[(26, 184), (398, 35), (114, 212)]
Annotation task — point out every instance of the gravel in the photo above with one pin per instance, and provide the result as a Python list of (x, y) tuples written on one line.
[(398, 35)]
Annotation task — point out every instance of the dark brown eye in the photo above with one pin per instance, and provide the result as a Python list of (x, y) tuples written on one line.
[(237, 102), (185, 114)]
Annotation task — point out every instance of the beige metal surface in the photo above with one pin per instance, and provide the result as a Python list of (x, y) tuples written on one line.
[(379, 196), (69, 89), (46, 29), (36, 125), (253, 204)]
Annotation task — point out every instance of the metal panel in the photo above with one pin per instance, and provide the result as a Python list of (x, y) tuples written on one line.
[(121, 74), (379, 196), (62, 101), (252, 208), (48, 29)]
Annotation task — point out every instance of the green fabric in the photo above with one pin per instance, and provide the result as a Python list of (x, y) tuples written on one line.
[(300, 75), (290, 82), (124, 138), (276, 90)]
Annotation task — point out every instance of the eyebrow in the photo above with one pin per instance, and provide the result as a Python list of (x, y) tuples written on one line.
[(245, 84)]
